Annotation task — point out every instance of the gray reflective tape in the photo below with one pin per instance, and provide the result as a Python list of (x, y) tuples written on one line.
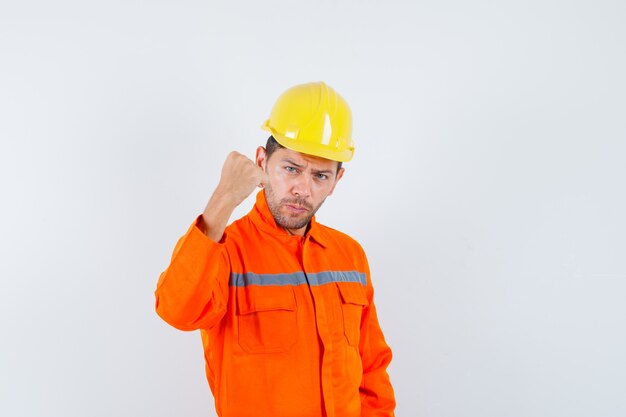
[(250, 278), (327, 277), (297, 278)]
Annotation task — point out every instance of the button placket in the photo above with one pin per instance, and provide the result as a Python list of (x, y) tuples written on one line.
[(323, 330)]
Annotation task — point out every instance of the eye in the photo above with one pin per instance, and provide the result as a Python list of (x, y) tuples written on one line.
[(321, 176), (291, 169)]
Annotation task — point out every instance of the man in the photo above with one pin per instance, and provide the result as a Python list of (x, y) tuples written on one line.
[(284, 304)]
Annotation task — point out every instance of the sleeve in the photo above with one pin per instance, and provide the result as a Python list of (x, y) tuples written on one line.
[(377, 397), (192, 293)]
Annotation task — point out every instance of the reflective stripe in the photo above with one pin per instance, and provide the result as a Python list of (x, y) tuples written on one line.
[(296, 278), (327, 277), (250, 278)]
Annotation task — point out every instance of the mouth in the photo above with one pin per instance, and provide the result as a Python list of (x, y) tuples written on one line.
[(296, 208)]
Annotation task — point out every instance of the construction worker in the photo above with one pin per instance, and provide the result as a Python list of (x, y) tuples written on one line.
[(284, 304)]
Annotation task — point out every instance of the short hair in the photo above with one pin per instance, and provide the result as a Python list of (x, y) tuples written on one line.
[(272, 146)]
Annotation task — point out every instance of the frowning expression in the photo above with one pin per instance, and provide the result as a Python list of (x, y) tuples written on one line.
[(298, 185)]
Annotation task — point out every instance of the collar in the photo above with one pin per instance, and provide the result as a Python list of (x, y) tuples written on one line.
[(262, 217)]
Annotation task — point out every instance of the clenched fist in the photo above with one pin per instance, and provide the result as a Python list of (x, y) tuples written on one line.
[(240, 176)]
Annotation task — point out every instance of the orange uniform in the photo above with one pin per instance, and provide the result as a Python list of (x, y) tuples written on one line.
[(288, 323)]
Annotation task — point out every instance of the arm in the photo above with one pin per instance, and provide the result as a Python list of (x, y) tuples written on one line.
[(192, 293), (377, 397)]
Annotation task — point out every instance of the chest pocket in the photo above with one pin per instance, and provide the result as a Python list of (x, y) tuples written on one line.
[(267, 318), (353, 300)]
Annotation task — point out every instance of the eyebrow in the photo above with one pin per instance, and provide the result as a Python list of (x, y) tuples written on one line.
[(321, 171), (290, 162)]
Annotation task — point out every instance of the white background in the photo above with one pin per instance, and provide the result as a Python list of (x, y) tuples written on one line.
[(487, 189)]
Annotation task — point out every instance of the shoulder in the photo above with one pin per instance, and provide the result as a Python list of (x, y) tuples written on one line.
[(340, 239), (239, 231), (345, 250)]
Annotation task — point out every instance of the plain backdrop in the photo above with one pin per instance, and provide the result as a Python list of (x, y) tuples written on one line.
[(488, 189)]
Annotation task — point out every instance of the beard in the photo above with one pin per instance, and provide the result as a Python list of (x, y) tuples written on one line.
[(289, 221)]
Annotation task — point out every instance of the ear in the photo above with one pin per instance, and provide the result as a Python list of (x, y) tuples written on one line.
[(337, 178), (261, 157)]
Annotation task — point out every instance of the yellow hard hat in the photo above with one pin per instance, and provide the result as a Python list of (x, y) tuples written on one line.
[(313, 119)]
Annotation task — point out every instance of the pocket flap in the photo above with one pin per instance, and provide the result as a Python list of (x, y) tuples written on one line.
[(255, 298), (352, 293)]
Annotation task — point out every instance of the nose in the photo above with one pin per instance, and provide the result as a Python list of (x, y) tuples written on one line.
[(302, 186)]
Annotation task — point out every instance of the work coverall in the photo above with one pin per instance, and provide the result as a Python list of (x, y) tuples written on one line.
[(288, 323)]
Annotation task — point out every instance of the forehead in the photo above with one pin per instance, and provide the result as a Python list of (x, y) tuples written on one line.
[(314, 162)]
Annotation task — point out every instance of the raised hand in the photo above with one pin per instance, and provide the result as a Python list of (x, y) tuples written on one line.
[(240, 176)]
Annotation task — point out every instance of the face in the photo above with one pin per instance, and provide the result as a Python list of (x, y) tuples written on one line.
[(298, 185)]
